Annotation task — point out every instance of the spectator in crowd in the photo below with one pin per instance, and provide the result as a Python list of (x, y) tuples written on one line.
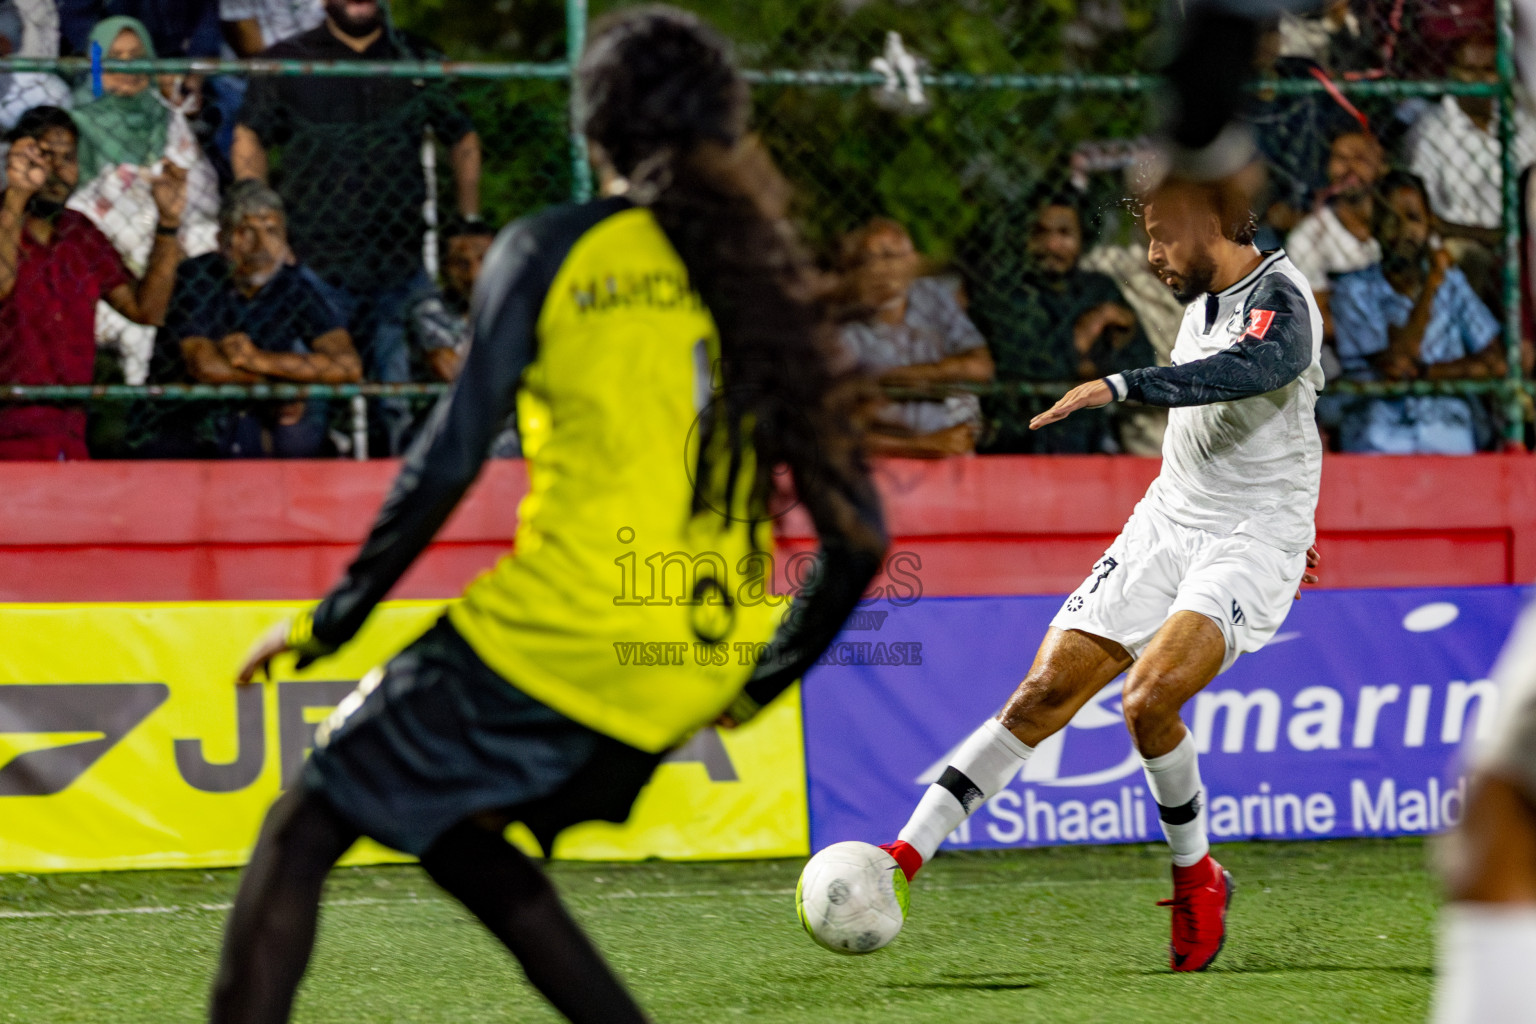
[(1454, 148), (29, 28), (248, 314), (1292, 132), (1413, 316), (251, 26), (1056, 322), (440, 320), (54, 266), (1337, 237), (911, 331), (352, 177), (125, 134)]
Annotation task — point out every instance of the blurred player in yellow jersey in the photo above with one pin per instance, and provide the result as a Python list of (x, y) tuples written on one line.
[(666, 350)]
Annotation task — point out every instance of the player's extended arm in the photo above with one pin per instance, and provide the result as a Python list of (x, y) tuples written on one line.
[(445, 458), (853, 543), (1275, 351)]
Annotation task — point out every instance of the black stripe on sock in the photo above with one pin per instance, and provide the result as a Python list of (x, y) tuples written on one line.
[(1182, 814), (962, 788)]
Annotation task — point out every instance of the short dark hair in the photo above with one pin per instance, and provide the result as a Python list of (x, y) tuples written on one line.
[(1395, 179), (1056, 195), (1238, 224), (463, 227), (35, 123)]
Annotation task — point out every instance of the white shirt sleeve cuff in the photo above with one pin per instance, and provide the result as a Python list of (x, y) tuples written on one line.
[(1117, 386)]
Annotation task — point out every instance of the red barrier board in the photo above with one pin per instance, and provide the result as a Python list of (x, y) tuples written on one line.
[(205, 531)]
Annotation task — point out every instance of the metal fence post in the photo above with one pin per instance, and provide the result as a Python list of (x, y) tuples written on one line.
[(1509, 201), (575, 42)]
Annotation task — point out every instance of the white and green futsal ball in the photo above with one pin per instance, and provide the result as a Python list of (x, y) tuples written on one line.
[(852, 898)]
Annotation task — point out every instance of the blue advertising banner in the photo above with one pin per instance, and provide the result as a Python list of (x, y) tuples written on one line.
[(1348, 724)]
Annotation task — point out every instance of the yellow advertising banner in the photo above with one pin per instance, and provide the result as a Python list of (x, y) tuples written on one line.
[(124, 743)]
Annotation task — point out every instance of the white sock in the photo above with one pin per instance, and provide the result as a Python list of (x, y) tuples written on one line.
[(1174, 779), (988, 759), (1487, 952)]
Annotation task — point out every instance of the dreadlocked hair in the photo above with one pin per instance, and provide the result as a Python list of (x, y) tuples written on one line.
[(659, 95)]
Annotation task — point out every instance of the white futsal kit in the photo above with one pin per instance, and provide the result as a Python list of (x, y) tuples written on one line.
[(1225, 527)]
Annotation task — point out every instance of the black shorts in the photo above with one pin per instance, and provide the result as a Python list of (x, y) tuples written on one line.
[(443, 738)]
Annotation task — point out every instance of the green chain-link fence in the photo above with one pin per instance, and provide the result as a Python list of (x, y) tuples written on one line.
[(958, 121)]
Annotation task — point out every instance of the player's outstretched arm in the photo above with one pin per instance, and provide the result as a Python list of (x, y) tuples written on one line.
[(1275, 350), (443, 461), (853, 541)]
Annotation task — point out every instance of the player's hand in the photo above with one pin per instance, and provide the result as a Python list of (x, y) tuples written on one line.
[(1085, 396), (268, 646), (1314, 559), (741, 711)]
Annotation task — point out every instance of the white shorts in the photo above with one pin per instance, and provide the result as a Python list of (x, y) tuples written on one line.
[(1157, 567), (1510, 751)]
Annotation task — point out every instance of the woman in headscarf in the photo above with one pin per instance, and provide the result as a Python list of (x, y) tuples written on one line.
[(125, 134)]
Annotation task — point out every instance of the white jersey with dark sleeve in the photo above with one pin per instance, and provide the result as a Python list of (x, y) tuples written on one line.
[(1242, 453)]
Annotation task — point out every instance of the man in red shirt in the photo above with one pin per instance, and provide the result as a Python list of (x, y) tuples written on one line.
[(54, 265)]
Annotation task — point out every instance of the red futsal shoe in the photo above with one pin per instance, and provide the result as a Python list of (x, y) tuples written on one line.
[(906, 856), (1201, 894)]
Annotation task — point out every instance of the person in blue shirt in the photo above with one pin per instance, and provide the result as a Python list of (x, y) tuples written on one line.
[(1413, 316)]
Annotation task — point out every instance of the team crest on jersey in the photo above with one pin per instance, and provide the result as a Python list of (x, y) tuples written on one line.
[(1258, 322)]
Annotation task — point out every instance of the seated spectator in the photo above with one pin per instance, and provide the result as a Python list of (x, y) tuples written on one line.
[(1413, 316), (352, 177), (440, 324), (911, 331), (125, 134), (1292, 132), (54, 266), (248, 314), (29, 28), (1455, 149), (1054, 322), (1336, 238)]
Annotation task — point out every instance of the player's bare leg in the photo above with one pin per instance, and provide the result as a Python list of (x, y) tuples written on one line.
[(1182, 659), (1069, 668), (1488, 930)]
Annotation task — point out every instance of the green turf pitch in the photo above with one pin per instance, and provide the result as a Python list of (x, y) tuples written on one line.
[(1336, 931)]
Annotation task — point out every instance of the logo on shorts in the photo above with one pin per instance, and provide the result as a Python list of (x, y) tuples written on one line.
[(1237, 613), (1107, 564), (1074, 602)]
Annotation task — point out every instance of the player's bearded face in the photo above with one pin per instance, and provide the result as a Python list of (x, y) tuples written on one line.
[(1193, 279), (1179, 247)]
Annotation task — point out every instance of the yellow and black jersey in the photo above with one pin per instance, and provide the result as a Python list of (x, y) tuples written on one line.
[(620, 606)]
